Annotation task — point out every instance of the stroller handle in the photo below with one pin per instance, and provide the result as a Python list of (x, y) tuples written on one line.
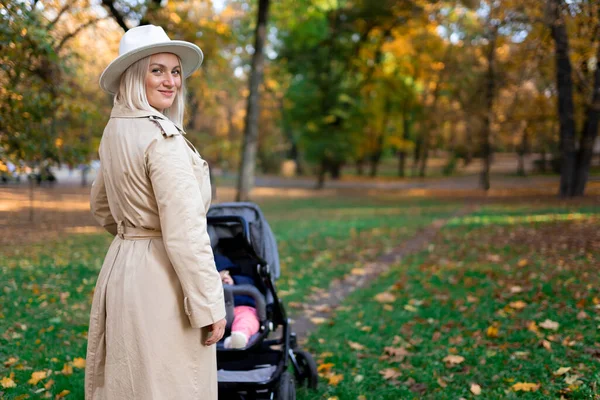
[(247, 290), (232, 218)]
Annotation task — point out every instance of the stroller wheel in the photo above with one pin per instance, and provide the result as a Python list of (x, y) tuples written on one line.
[(286, 389), (306, 369)]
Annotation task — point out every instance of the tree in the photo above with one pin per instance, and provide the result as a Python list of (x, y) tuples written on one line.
[(575, 163), (246, 174)]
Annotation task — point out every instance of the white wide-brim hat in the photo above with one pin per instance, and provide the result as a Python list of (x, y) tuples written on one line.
[(143, 41)]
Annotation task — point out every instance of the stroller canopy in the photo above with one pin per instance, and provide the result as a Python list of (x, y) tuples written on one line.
[(261, 236)]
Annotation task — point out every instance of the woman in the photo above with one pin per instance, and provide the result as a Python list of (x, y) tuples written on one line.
[(158, 307)]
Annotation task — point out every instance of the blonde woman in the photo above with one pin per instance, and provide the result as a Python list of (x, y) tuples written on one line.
[(158, 307)]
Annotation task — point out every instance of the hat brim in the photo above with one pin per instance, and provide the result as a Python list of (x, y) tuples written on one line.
[(190, 55)]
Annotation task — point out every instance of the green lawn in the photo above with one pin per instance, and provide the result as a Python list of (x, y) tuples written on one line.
[(503, 301), (47, 288)]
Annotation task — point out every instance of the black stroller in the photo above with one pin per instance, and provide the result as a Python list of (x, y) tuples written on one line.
[(240, 232)]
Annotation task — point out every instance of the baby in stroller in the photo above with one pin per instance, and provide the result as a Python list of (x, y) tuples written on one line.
[(253, 361), (245, 319)]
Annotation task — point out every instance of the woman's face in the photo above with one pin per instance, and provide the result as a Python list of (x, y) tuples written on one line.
[(163, 80)]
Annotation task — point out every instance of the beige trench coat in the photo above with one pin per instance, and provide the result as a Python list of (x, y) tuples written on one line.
[(158, 285)]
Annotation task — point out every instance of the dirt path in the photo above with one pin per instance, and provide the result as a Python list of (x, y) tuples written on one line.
[(323, 304)]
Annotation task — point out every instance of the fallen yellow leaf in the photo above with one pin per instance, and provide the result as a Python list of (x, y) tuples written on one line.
[(10, 361), (390, 373), (547, 345), (532, 326), (441, 382), (525, 387), (492, 331), (454, 359), (317, 320), (36, 377), (388, 307), (385, 297), (356, 346), (335, 379), (549, 324), (67, 369), (573, 380), (523, 262), (49, 384), (325, 367), (518, 305), (475, 389), (358, 271), (7, 382), (561, 371), (79, 362), (62, 394)]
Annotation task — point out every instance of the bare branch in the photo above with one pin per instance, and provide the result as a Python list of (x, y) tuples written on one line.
[(60, 13), (70, 35), (115, 14)]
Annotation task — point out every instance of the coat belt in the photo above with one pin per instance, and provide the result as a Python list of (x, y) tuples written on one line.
[(133, 233)]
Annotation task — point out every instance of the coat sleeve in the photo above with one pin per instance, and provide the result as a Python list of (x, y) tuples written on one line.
[(183, 223), (99, 205)]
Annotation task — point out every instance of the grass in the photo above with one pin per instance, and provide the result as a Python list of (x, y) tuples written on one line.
[(484, 291), (47, 287), (488, 293)]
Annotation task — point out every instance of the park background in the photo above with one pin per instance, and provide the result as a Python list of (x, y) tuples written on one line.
[(440, 158)]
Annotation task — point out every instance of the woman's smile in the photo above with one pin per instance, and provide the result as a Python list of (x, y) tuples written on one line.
[(163, 80)]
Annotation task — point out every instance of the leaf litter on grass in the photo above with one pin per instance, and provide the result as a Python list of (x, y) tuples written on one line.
[(514, 320)]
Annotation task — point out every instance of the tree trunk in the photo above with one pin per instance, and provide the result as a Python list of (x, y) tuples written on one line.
[(402, 154), (335, 169), (247, 167), (294, 153), (401, 164), (376, 156), (564, 82), (360, 164), (416, 157), (375, 159), (588, 136), (424, 157), (31, 193), (321, 175), (543, 161), (486, 148), (522, 150)]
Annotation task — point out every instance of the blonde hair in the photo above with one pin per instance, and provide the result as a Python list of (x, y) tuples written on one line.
[(132, 92)]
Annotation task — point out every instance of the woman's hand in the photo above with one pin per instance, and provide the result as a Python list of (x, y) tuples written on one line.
[(217, 330)]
